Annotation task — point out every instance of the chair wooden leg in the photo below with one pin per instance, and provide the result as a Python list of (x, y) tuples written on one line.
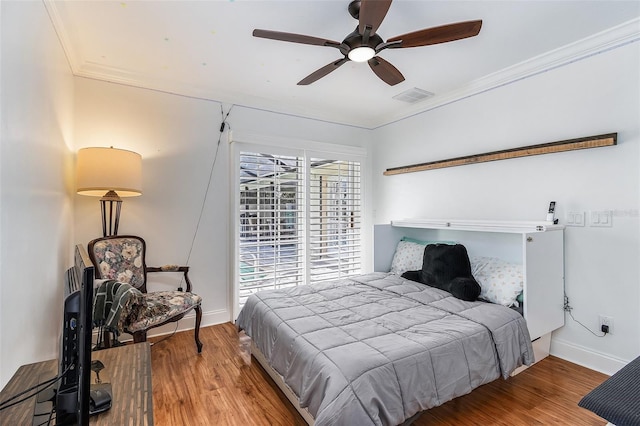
[(106, 338), (139, 336), (198, 310)]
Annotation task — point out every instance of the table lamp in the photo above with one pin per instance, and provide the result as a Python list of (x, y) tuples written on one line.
[(109, 173)]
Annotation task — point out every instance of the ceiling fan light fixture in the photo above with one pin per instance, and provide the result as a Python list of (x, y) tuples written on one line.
[(361, 54), (364, 43)]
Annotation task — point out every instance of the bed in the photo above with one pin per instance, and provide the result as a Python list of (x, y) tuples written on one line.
[(378, 349)]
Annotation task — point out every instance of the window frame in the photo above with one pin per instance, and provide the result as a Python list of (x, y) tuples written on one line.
[(293, 147)]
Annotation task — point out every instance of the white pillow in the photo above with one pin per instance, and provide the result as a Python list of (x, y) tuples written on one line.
[(408, 257), (410, 254), (501, 282)]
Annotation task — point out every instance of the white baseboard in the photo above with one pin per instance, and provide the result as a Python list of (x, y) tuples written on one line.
[(586, 357), (187, 323)]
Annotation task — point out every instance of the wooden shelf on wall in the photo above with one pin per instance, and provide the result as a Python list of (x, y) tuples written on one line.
[(545, 148)]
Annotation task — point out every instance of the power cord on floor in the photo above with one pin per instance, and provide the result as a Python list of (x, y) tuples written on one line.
[(166, 337), (568, 309)]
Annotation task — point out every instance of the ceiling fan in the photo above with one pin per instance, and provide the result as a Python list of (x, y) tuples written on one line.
[(364, 44)]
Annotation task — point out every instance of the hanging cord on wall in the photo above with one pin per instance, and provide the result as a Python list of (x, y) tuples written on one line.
[(568, 309), (223, 125)]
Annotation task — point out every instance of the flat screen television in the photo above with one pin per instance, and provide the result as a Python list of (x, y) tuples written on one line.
[(68, 402), (72, 400)]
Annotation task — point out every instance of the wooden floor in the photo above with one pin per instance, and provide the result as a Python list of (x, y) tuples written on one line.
[(218, 388)]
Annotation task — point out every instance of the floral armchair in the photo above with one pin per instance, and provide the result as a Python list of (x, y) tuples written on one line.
[(122, 258)]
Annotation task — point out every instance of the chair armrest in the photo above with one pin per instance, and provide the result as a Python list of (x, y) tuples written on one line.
[(173, 268)]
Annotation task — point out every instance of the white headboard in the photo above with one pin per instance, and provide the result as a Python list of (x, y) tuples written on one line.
[(507, 246), (481, 238), (540, 252)]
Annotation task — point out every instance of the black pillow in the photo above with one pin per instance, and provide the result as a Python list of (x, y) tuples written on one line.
[(465, 288), (447, 267)]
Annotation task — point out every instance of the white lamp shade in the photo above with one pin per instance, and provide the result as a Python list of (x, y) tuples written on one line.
[(99, 170)]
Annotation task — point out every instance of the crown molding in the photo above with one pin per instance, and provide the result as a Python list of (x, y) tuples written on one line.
[(72, 55), (604, 41)]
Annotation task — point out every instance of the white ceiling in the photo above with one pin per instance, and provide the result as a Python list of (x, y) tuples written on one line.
[(205, 49)]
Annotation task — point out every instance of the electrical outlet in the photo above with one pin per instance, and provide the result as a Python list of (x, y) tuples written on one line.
[(608, 321)]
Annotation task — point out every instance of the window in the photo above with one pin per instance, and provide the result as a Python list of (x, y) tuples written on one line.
[(334, 219), (299, 220)]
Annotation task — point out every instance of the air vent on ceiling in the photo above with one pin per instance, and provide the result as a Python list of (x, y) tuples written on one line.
[(413, 95)]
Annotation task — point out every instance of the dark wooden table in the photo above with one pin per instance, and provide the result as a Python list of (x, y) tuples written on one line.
[(127, 368)]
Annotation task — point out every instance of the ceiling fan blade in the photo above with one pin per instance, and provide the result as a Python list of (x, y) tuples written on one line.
[(387, 72), (435, 35), (317, 75), (372, 13), (295, 38)]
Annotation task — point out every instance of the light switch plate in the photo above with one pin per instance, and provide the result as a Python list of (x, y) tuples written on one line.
[(601, 218), (575, 219)]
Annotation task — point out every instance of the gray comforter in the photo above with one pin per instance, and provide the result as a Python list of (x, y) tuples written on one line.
[(377, 349)]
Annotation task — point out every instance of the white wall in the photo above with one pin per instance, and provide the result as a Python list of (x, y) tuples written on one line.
[(47, 115), (597, 95), (177, 138), (36, 185)]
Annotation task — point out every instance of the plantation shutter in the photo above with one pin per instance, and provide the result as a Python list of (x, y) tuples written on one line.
[(299, 219), (271, 222), (334, 219)]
